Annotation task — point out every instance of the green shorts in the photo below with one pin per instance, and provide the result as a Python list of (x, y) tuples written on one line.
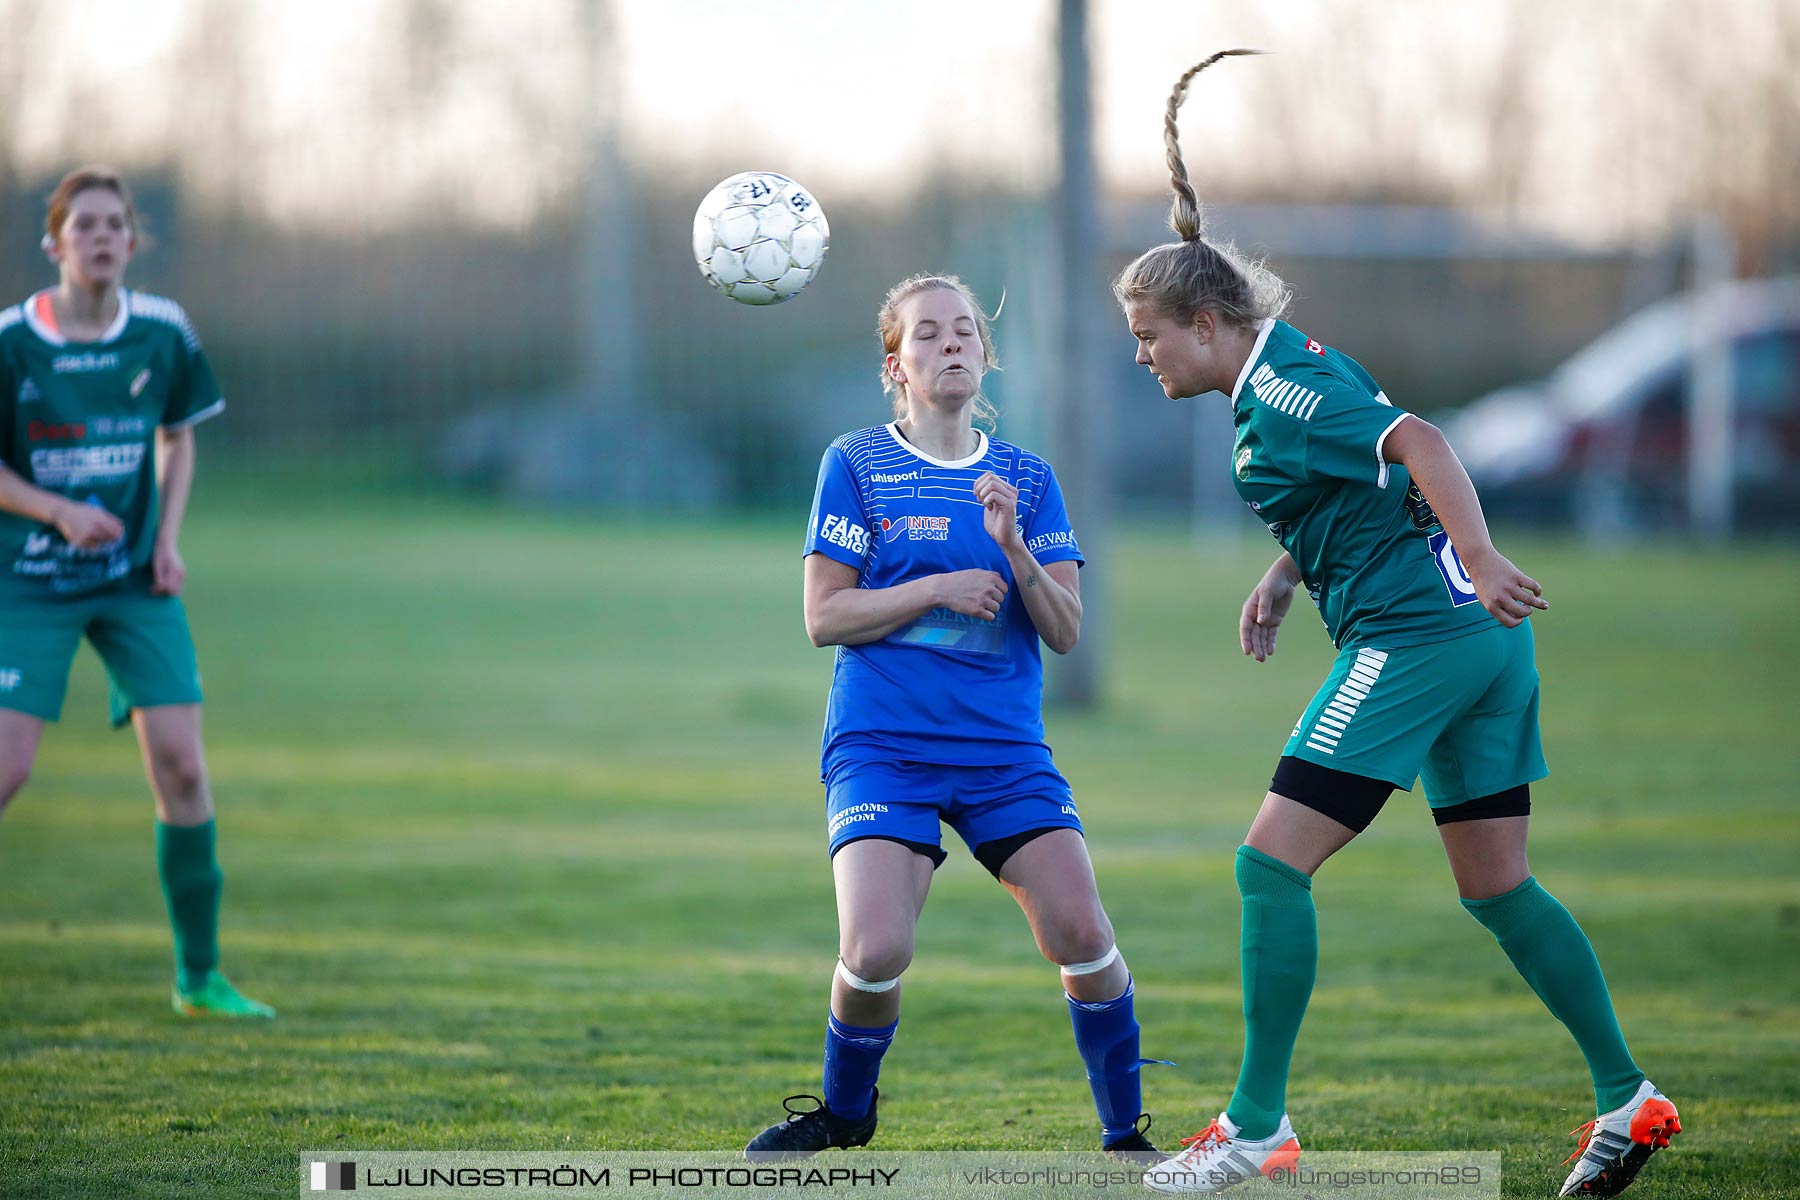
[(1463, 714), (142, 639)]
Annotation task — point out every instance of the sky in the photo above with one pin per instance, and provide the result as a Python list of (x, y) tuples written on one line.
[(482, 112)]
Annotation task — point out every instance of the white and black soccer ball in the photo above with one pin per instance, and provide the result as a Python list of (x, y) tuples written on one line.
[(760, 237)]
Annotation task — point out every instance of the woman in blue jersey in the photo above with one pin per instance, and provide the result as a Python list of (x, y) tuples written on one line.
[(100, 390), (1435, 678), (935, 561)]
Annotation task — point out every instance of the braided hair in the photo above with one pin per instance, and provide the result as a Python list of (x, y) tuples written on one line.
[(1183, 277)]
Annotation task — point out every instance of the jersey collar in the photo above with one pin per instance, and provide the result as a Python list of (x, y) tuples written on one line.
[(1262, 337), (42, 318), (981, 448)]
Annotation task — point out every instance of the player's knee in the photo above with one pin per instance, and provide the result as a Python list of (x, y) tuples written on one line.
[(1081, 944), (13, 776), (871, 962), (181, 774)]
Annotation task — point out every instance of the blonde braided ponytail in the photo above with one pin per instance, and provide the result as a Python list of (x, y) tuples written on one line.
[(1184, 214), (1181, 278)]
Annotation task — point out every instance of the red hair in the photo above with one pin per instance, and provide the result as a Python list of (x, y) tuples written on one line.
[(78, 181)]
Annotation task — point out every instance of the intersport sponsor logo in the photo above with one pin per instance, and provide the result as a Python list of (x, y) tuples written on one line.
[(918, 529)]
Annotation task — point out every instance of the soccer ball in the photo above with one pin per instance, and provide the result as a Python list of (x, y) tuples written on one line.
[(760, 237)]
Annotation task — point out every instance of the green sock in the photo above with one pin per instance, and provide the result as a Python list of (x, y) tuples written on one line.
[(1281, 957), (191, 882), (1556, 959)]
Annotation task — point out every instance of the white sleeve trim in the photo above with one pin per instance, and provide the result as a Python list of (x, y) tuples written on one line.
[(188, 422), (1380, 445)]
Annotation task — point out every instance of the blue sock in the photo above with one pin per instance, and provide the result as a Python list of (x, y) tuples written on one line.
[(1106, 1034), (852, 1061)]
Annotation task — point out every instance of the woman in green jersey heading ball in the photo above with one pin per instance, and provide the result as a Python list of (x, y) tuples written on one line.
[(100, 390), (1435, 678)]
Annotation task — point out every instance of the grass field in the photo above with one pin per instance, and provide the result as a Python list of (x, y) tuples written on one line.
[(523, 835)]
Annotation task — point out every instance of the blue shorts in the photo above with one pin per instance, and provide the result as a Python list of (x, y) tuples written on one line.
[(995, 810)]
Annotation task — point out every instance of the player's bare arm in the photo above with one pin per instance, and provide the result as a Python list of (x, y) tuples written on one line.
[(85, 526), (1505, 591), (1052, 594), (839, 613), (175, 471), (1266, 606)]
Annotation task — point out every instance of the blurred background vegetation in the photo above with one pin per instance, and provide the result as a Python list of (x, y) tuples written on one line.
[(462, 240)]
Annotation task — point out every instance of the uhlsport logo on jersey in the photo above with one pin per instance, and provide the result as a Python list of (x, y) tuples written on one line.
[(1315, 347), (333, 1176), (10, 678), (917, 529), (1455, 575)]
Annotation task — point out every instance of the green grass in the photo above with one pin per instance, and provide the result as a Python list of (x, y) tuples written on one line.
[(523, 834)]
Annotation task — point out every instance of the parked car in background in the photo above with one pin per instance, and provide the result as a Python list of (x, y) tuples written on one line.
[(1602, 443)]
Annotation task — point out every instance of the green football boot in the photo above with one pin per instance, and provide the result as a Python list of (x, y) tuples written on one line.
[(215, 997)]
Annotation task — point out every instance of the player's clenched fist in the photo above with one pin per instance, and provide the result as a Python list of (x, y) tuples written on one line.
[(87, 526), (973, 593), (1000, 504)]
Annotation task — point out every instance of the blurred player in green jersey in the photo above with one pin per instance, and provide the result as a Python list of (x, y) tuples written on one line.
[(100, 390), (1435, 679)]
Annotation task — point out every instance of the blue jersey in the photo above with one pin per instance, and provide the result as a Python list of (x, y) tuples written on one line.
[(946, 688)]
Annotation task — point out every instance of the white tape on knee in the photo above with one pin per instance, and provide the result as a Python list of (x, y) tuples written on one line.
[(869, 985), (1089, 968)]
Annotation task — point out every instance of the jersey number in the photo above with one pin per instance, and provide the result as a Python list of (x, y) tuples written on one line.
[(1455, 575)]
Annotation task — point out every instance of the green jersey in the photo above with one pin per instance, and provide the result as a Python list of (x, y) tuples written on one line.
[(80, 419), (1308, 460)]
